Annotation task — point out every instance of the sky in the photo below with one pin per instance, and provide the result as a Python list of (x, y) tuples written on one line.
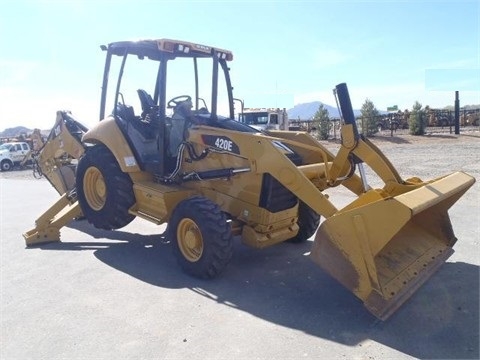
[(285, 52)]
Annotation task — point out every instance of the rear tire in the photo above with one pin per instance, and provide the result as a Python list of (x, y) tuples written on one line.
[(201, 237), (308, 221), (104, 191)]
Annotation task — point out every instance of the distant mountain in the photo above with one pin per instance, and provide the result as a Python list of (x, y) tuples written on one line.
[(306, 111), (15, 131)]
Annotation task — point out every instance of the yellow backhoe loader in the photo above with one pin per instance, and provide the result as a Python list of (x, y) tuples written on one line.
[(212, 178)]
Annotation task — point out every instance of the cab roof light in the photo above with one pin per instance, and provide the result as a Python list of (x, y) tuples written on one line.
[(183, 48)]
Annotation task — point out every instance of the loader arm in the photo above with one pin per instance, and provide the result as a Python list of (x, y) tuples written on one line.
[(358, 150), (281, 168), (364, 151), (306, 181), (340, 166)]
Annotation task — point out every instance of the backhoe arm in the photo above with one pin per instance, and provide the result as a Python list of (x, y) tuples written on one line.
[(55, 161), (62, 146)]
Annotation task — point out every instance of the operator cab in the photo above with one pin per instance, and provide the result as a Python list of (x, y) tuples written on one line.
[(146, 107)]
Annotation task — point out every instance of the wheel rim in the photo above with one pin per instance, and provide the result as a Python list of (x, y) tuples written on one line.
[(94, 188), (190, 240)]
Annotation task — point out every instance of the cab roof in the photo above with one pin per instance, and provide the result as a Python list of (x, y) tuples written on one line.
[(156, 49)]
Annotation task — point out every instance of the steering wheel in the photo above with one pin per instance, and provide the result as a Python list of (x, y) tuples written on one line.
[(178, 100)]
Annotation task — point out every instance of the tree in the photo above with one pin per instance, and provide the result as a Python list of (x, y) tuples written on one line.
[(417, 120), (321, 120), (370, 116)]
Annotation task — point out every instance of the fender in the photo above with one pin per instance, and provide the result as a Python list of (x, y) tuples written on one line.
[(108, 133)]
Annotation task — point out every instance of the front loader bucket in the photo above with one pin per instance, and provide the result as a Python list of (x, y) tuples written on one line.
[(383, 248)]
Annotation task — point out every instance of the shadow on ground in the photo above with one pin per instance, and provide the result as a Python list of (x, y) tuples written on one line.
[(281, 285)]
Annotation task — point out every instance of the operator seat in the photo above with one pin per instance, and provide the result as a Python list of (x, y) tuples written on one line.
[(143, 134), (181, 120), (146, 101), (124, 112)]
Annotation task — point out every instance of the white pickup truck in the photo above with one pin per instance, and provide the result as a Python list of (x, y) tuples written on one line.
[(12, 154)]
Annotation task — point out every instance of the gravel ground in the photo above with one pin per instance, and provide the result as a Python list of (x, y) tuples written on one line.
[(431, 155)]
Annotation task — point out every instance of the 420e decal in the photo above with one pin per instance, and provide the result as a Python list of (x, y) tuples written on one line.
[(221, 142)]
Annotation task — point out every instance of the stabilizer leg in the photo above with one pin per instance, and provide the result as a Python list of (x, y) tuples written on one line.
[(48, 225)]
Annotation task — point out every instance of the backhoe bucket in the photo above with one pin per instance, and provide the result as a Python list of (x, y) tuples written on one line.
[(383, 248)]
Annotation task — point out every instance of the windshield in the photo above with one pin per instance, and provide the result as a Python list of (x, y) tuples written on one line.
[(5, 146), (254, 118), (186, 77), (181, 81)]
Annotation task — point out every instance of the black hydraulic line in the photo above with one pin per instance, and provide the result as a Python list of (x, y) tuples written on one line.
[(214, 174)]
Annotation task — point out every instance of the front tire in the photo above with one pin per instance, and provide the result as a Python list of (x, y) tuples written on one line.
[(201, 237), (308, 221), (104, 191), (6, 165)]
